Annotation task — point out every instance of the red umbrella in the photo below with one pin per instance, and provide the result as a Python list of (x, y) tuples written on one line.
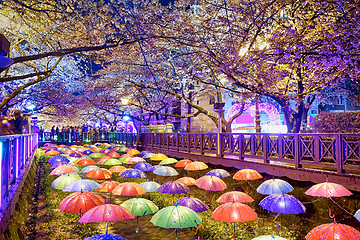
[(85, 162), (108, 186), (128, 189), (196, 166), (211, 183), (183, 163), (70, 151), (333, 231), (247, 174), (234, 212), (234, 196), (80, 202), (117, 169), (103, 159), (328, 189), (63, 169), (113, 155), (100, 173), (188, 181)]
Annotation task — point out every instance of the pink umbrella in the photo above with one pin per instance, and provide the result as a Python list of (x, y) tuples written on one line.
[(210, 183), (234, 196), (328, 189), (136, 160)]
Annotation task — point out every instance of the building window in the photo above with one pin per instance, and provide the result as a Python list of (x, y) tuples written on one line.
[(340, 100), (313, 111), (212, 100)]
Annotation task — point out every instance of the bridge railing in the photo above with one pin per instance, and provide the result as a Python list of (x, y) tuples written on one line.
[(16, 151)]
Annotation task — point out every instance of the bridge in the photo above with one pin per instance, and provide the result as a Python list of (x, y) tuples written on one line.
[(302, 157)]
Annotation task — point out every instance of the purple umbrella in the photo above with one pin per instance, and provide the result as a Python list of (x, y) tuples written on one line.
[(173, 187), (58, 159), (133, 173), (76, 155), (146, 167), (193, 203), (220, 173)]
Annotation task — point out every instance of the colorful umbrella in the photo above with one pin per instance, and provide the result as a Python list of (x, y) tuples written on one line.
[(220, 173), (196, 166), (136, 160), (165, 171), (128, 189), (158, 157), (125, 159), (58, 159), (328, 189), (80, 202), (183, 163), (102, 160), (167, 161), (112, 162), (88, 169), (104, 151), (82, 185), (148, 155), (64, 180), (133, 173), (282, 203), (85, 162), (106, 236), (133, 152), (211, 183), (173, 187), (117, 169), (75, 155), (150, 186), (274, 186), (143, 153), (269, 237), (145, 167), (113, 155), (193, 203), (234, 196), (357, 215), (87, 152), (96, 155), (64, 169), (123, 149), (188, 181), (140, 207), (100, 173), (333, 231), (70, 151), (247, 174), (234, 212), (108, 186), (52, 153), (58, 164)]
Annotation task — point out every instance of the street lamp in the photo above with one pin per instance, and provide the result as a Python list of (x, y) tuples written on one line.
[(126, 120), (219, 109)]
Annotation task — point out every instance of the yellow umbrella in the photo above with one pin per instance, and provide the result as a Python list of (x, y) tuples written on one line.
[(158, 157)]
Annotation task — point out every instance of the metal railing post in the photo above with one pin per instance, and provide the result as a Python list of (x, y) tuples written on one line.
[(339, 153)]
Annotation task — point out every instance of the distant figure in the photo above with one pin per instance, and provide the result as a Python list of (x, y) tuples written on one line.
[(52, 131)]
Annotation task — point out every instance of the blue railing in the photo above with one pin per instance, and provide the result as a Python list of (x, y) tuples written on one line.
[(16, 152)]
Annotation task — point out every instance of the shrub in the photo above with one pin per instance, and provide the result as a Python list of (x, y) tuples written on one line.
[(346, 122)]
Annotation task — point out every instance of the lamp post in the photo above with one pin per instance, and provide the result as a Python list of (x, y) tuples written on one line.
[(219, 109)]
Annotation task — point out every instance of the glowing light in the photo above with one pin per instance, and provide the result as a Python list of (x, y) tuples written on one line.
[(126, 118), (1, 170), (125, 101)]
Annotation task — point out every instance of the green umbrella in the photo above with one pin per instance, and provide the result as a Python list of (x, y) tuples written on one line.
[(112, 161), (96, 155), (125, 159), (268, 237), (168, 161), (64, 180), (140, 207), (122, 149), (63, 149), (176, 217)]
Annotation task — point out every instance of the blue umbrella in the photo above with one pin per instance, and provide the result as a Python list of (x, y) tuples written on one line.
[(193, 203), (220, 173), (144, 166), (87, 152), (274, 186), (282, 203), (82, 185), (150, 186), (88, 168), (144, 153), (105, 237), (165, 171), (357, 215), (58, 159), (133, 173), (148, 155)]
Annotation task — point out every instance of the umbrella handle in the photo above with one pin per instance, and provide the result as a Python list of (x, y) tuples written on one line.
[(137, 225), (280, 226), (331, 215), (234, 232)]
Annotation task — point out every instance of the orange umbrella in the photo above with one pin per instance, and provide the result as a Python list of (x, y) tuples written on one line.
[(52, 153), (188, 181), (247, 174), (113, 155), (128, 189), (95, 149), (158, 157), (70, 151), (183, 163), (80, 202), (133, 152), (328, 189), (234, 212), (100, 173), (117, 169), (107, 186), (234, 196), (85, 161), (196, 166), (63, 169), (332, 231), (103, 159)]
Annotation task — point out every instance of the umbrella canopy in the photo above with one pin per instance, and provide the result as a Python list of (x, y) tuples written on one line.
[(158, 157), (96, 155), (140, 206), (128, 189), (64, 180), (102, 160), (328, 189), (87, 152), (52, 153), (167, 161), (165, 171), (113, 155), (58, 159), (117, 169), (193, 203), (211, 183), (234, 196), (150, 186), (133, 173), (269, 237), (80, 202), (173, 187), (75, 155), (88, 168), (234, 212), (133, 152), (58, 164), (100, 173), (183, 163), (106, 236), (125, 159), (176, 217), (333, 231), (136, 160), (247, 174), (196, 166), (112, 162), (82, 185), (106, 213), (95, 149), (274, 186), (220, 173), (143, 153), (282, 203), (108, 186), (104, 151), (64, 169), (148, 155), (123, 149), (143, 166), (70, 151), (357, 215), (85, 162), (188, 181)]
